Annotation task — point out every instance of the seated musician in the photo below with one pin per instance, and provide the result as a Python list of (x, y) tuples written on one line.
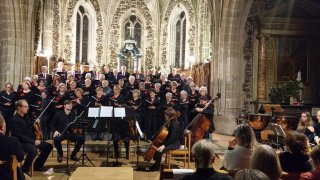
[(204, 156), (59, 122), (21, 127), (208, 112), (306, 126), (172, 141), (240, 148), (12, 147)]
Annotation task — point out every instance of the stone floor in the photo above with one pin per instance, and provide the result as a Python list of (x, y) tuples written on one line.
[(97, 154)]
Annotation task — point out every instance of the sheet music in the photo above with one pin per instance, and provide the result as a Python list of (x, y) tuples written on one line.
[(93, 112), (120, 112), (106, 111), (139, 130)]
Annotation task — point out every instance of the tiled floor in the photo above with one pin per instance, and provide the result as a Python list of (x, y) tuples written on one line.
[(98, 156)]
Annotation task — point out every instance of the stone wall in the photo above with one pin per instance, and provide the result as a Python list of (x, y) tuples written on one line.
[(16, 39)]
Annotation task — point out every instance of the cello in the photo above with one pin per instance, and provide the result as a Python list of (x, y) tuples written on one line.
[(200, 124), (158, 139)]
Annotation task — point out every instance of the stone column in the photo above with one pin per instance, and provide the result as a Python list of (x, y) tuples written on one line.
[(262, 67)]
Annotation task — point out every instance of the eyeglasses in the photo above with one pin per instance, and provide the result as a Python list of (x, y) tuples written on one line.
[(25, 106)]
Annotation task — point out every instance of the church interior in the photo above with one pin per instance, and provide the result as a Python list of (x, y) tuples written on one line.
[(256, 60)]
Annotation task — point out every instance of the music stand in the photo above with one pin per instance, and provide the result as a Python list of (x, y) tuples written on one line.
[(83, 124), (278, 131), (272, 108)]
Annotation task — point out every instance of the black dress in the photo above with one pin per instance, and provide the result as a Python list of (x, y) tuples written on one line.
[(151, 117), (7, 110)]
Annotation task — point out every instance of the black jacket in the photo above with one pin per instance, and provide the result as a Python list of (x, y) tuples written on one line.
[(61, 120), (21, 128)]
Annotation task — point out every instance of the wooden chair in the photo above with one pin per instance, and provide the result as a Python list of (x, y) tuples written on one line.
[(11, 165), (184, 154)]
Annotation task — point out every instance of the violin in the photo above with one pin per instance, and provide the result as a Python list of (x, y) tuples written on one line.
[(37, 130)]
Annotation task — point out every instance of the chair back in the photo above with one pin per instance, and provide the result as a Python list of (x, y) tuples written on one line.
[(8, 169)]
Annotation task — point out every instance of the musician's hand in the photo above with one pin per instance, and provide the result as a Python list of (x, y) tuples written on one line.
[(161, 148), (198, 109), (37, 120), (56, 133), (37, 142), (232, 143), (310, 128)]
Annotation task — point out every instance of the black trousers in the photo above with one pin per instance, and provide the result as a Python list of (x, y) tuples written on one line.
[(116, 138), (77, 138), (31, 151)]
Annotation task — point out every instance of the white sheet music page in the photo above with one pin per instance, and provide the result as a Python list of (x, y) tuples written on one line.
[(93, 112), (120, 112), (106, 111)]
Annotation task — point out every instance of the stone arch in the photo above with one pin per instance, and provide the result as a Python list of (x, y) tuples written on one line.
[(148, 35), (191, 29), (69, 30)]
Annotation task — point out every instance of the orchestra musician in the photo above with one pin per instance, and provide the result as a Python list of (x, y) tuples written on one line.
[(21, 127), (7, 100), (172, 141), (208, 112), (59, 122)]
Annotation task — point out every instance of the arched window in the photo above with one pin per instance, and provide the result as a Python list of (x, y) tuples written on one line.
[(133, 29), (82, 35), (180, 46)]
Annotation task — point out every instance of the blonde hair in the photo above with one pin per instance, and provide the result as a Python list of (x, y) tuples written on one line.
[(265, 159), (302, 125), (246, 136)]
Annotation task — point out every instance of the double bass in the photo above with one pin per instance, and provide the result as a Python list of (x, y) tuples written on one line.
[(200, 124)]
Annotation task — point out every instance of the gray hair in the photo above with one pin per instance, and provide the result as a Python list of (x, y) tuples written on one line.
[(203, 152), (250, 174), (265, 159), (168, 94)]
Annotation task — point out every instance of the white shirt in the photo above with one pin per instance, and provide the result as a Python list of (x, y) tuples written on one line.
[(238, 158)]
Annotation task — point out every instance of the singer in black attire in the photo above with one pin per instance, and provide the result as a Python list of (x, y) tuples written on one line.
[(21, 128), (172, 141), (59, 123)]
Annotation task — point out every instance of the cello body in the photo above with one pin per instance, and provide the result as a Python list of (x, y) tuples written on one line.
[(156, 143), (200, 128)]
